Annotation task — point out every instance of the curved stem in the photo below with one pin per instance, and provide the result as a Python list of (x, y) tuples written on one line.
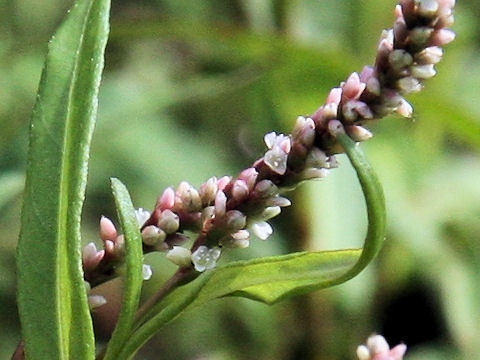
[(375, 202)]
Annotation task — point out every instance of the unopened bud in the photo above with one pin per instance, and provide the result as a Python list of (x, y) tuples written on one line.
[(358, 133), (107, 229), (270, 212), (208, 191), (179, 256), (262, 229), (189, 197), (423, 71), (409, 85), (167, 200), (235, 220), (153, 235), (169, 221)]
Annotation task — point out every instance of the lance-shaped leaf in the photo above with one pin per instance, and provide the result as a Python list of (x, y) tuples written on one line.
[(272, 279), (52, 300), (134, 263)]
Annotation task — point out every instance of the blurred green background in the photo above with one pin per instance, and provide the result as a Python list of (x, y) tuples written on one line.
[(189, 90)]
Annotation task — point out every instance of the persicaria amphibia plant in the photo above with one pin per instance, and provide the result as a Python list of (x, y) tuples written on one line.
[(193, 226), (225, 212)]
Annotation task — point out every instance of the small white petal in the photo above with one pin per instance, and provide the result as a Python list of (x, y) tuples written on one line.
[(147, 272), (262, 229), (276, 159), (270, 212), (270, 139), (142, 216), (204, 258)]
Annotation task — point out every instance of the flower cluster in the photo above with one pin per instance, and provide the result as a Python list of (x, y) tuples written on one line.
[(225, 212), (377, 349)]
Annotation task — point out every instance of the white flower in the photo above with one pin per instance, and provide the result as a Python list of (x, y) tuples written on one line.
[(204, 258), (279, 147), (147, 272), (142, 216)]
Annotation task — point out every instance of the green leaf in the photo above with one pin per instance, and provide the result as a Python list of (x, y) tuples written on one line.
[(52, 300), (272, 279), (134, 264)]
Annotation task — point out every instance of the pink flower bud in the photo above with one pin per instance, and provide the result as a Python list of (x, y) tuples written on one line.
[(220, 204), (353, 87), (168, 222), (107, 229), (223, 182), (167, 200), (208, 191), (240, 190), (249, 176)]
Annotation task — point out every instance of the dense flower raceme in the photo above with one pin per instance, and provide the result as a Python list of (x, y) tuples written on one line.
[(225, 212)]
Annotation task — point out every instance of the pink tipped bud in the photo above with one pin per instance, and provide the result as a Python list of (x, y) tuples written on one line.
[(220, 204), (442, 37), (353, 87), (240, 190), (167, 200), (109, 247), (334, 96), (249, 176), (107, 229), (223, 182), (91, 257)]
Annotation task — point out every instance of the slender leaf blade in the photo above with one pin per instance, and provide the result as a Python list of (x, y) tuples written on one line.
[(267, 279), (52, 301), (134, 264)]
